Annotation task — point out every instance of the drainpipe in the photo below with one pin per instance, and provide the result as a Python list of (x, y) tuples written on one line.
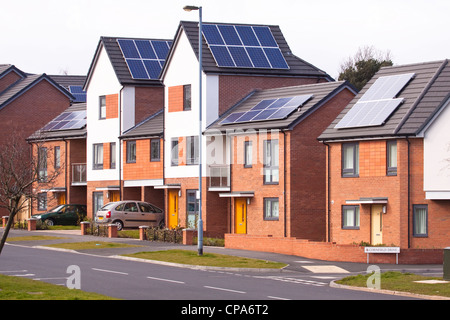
[(409, 194), (328, 192), (284, 193)]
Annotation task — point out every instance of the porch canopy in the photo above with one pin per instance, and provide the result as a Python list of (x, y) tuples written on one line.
[(370, 200)]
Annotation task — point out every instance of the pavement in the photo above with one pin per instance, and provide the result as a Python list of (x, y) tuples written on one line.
[(295, 263)]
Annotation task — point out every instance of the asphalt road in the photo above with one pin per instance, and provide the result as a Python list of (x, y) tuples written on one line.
[(103, 272)]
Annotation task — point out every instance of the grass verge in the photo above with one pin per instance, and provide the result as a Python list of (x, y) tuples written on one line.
[(207, 259), (91, 245), (33, 238), (15, 288), (403, 282)]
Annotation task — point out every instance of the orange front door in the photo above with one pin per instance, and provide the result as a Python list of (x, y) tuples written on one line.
[(240, 215), (173, 209)]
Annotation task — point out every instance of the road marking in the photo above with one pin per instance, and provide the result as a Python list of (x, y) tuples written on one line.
[(303, 261), (13, 271), (167, 280), (325, 269), (24, 275), (277, 298), (110, 271), (223, 289)]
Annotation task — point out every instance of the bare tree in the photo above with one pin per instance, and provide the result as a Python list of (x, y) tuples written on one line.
[(19, 170)]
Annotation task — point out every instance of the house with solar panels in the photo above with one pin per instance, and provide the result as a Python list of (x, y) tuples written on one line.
[(388, 162), (61, 146), (277, 186), (236, 60), (123, 88), (28, 102)]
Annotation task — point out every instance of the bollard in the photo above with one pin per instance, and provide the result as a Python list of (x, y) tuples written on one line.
[(5, 221), (32, 224), (84, 226), (112, 230), (143, 232), (447, 263), (188, 236)]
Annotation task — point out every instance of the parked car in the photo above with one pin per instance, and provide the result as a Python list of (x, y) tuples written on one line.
[(130, 214), (64, 214)]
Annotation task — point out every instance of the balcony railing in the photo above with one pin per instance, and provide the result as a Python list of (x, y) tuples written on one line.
[(219, 177), (79, 174)]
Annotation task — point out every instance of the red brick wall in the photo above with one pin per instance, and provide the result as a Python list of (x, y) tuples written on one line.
[(8, 80), (148, 100), (176, 94), (234, 88), (143, 168), (112, 106)]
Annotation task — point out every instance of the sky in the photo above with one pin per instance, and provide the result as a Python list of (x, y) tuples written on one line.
[(60, 36)]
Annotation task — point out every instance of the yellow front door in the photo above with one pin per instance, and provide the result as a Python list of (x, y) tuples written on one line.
[(240, 215), (114, 196), (377, 224), (173, 209), (61, 198)]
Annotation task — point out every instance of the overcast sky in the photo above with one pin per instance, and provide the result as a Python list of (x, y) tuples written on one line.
[(57, 36)]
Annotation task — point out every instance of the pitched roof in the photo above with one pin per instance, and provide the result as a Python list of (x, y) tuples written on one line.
[(423, 95), (297, 66), (118, 62), (152, 126), (41, 134), (321, 92)]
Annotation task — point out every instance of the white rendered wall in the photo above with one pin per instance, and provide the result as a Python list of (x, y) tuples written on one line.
[(437, 157)]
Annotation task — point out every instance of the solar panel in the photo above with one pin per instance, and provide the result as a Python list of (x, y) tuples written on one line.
[(377, 103), (144, 58), (67, 121), (269, 109), (78, 93), (241, 46)]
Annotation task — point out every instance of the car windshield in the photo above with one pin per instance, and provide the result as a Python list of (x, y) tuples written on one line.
[(56, 209)]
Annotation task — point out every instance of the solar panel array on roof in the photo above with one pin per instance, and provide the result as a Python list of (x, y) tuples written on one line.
[(67, 121), (78, 93), (145, 58), (269, 109), (377, 103), (244, 46)]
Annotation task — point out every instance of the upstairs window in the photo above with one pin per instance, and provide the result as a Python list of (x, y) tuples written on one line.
[(192, 150), (102, 108), (187, 97), (174, 152), (112, 155), (350, 160), (391, 157), (131, 151), (155, 154), (98, 156), (248, 154), (271, 169), (42, 164), (57, 157)]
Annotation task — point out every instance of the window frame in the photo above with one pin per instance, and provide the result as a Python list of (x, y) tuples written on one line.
[(102, 107), (42, 201), (274, 158), (390, 170), (415, 207), (248, 154), (356, 217), (268, 203), (57, 155), (190, 213), (187, 97), (174, 157), (42, 164), (131, 146), (96, 164), (354, 171), (158, 142), (192, 150), (112, 155)]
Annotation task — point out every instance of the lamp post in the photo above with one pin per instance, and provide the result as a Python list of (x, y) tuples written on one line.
[(200, 219)]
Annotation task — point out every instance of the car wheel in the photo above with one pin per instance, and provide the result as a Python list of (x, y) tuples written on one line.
[(119, 225), (50, 222)]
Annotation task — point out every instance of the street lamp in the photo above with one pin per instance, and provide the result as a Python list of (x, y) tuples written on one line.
[(200, 220)]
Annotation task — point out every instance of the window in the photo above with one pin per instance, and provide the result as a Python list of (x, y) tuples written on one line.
[(112, 155), (391, 157), (420, 220), (131, 151), (271, 174), (97, 201), (174, 152), (102, 107), (192, 208), (350, 217), (187, 97), (57, 157), (98, 156), (271, 209), (248, 154), (42, 201), (350, 160), (42, 164), (192, 150), (155, 150)]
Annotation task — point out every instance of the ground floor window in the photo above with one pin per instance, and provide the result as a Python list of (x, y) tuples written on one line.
[(42, 201), (192, 208), (350, 217), (97, 200), (420, 220), (271, 209)]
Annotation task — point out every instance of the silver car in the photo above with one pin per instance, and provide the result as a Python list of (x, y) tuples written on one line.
[(130, 214)]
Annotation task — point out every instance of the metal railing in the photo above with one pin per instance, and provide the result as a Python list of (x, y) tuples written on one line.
[(219, 176)]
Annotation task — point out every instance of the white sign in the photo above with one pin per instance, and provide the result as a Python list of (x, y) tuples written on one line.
[(382, 249)]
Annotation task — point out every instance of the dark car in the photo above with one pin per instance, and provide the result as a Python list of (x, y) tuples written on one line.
[(64, 214)]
